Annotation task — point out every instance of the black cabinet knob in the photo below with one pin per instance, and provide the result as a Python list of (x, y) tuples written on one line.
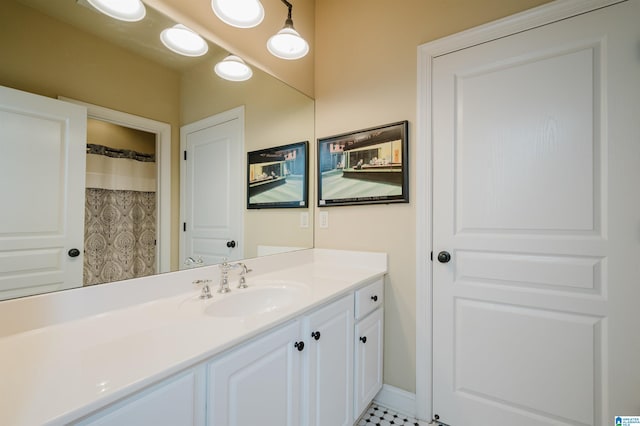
[(74, 252), (231, 244), (374, 298), (363, 339), (316, 335), (299, 346), (444, 257)]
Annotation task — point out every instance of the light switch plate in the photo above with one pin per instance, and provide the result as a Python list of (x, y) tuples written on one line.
[(324, 219), (304, 220)]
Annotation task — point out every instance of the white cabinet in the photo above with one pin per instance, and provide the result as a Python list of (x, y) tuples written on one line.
[(330, 365), (258, 383), (298, 374), (368, 345), (177, 400), (317, 370)]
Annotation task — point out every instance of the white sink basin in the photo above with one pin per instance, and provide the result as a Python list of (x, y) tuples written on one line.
[(256, 300)]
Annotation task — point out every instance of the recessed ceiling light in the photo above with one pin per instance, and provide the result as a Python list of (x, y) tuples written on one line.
[(233, 68), (184, 41), (239, 13), (124, 10)]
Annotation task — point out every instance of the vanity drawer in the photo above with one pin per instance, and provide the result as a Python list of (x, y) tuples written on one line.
[(369, 298)]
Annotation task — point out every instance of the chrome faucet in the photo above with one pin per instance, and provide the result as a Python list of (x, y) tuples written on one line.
[(206, 291), (225, 267), (242, 282), (224, 276), (190, 262)]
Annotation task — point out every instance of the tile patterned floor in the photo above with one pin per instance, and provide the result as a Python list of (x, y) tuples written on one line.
[(377, 415)]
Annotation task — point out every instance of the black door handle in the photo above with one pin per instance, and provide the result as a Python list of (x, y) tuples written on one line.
[(299, 346), (74, 252), (231, 244), (316, 335), (363, 339), (444, 257)]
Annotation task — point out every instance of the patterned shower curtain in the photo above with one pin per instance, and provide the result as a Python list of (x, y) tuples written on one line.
[(120, 215)]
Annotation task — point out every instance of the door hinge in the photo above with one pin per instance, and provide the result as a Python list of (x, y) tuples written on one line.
[(184, 226), (185, 155)]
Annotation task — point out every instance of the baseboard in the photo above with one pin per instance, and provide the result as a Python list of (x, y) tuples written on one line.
[(397, 400)]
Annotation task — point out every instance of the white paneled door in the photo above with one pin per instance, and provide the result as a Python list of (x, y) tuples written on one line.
[(212, 182), (536, 225), (43, 144)]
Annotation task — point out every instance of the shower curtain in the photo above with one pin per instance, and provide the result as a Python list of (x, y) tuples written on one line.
[(120, 215)]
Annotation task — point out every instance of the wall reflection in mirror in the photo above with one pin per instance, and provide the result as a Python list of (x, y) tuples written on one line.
[(66, 51)]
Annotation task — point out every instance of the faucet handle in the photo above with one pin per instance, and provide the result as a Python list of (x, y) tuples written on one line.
[(242, 282), (244, 269), (190, 262), (206, 292), (200, 283)]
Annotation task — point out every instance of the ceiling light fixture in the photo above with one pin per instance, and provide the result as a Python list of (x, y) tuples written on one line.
[(183, 41), (239, 13), (287, 43), (124, 10), (233, 68)]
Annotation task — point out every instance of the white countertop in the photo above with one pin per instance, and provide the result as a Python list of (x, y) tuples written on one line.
[(67, 354)]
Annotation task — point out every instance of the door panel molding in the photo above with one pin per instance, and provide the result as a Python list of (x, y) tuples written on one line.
[(209, 227), (517, 23)]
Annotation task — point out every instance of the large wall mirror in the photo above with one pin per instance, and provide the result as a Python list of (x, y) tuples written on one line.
[(66, 51)]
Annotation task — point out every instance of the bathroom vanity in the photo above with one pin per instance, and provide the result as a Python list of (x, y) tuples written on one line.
[(302, 345)]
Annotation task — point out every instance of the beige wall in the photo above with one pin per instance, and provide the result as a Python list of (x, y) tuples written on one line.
[(365, 75), (275, 114), (114, 136), (40, 55)]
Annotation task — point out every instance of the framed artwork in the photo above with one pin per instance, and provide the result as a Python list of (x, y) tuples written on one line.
[(278, 177), (368, 166)]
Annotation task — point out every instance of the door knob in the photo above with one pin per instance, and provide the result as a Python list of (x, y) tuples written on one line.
[(444, 257), (231, 244), (74, 252), (316, 335), (299, 346), (363, 339)]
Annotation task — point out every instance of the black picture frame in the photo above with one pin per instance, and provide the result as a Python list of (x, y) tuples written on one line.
[(368, 166), (278, 177)]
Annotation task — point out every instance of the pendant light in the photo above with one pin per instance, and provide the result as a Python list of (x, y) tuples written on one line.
[(184, 41), (287, 43), (239, 13), (123, 10), (233, 68)]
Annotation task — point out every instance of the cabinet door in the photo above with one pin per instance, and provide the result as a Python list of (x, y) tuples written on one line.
[(368, 360), (175, 401), (330, 365), (258, 383)]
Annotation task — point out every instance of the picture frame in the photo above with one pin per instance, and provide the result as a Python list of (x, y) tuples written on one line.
[(368, 166), (278, 177)]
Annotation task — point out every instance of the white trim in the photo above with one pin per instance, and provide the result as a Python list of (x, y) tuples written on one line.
[(163, 161), (223, 117), (397, 400), (539, 16)]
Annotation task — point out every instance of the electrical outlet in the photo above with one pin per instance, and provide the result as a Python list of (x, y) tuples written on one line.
[(324, 219), (304, 220)]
